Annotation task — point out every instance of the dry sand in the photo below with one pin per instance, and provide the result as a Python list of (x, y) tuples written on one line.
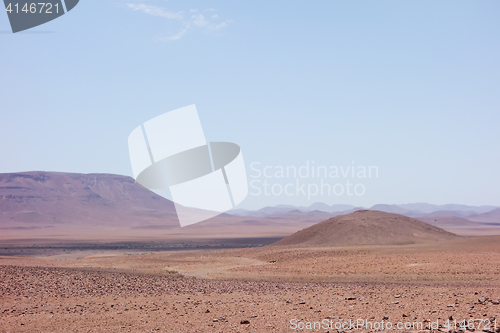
[(254, 290)]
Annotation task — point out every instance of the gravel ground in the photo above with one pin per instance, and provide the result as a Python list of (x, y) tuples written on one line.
[(49, 299)]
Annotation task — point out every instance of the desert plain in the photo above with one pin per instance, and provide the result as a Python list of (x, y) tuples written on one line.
[(262, 289), (98, 253)]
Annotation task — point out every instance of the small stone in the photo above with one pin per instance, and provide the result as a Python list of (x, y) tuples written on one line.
[(244, 322), (385, 318), (208, 311)]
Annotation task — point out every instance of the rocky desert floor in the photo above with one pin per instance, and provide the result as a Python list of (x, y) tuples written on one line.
[(444, 286)]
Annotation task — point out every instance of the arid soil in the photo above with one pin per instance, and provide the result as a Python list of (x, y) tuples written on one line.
[(54, 299), (368, 227), (268, 289)]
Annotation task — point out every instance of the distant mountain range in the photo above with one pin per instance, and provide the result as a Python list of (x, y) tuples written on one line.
[(286, 208), (87, 207), (52, 206), (412, 210), (460, 219)]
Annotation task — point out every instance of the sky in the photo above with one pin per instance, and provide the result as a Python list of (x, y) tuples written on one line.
[(409, 87)]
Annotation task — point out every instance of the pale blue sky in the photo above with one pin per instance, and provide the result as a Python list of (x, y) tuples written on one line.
[(412, 87)]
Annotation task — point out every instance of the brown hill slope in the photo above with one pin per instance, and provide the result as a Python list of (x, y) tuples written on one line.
[(366, 227)]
